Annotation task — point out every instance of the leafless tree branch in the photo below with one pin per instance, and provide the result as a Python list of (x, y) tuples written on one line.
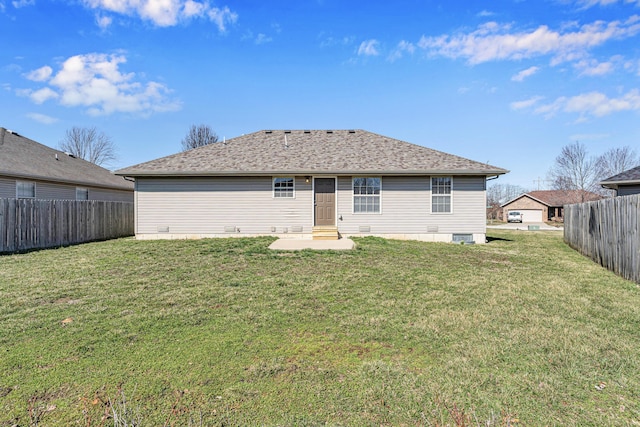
[(89, 144), (198, 136)]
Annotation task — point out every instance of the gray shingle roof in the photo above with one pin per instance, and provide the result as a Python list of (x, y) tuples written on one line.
[(21, 157), (631, 176), (311, 152)]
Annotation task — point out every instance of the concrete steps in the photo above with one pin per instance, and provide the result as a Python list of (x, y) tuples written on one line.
[(325, 232)]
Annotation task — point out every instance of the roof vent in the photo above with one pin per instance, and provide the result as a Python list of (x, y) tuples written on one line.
[(307, 131), (268, 131), (287, 131), (352, 131), (69, 154), (329, 131), (13, 132)]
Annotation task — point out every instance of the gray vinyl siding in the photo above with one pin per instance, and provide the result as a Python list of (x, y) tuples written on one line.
[(208, 205), (55, 191), (7, 188), (50, 191), (109, 195), (406, 207), (627, 190)]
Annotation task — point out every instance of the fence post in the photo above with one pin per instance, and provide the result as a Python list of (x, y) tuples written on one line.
[(608, 232)]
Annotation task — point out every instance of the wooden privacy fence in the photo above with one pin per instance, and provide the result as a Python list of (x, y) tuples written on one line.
[(35, 224), (608, 232)]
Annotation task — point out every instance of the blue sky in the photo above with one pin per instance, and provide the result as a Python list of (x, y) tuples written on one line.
[(504, 82)]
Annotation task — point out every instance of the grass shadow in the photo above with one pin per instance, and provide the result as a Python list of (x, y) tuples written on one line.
[(497, 239)]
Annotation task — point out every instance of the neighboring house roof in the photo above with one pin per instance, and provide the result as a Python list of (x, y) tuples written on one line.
[(311, 152), (628, 177), (558, 198), (23, 158)]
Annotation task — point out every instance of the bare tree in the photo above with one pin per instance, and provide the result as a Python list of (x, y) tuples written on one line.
[(617, 160), (574, 169), (497, 194), (89, 144), (501, 193), (198, 136)]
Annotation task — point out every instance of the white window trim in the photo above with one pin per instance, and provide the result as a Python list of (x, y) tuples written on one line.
[(25, 197), (353, 196), (82, 189), (273, 187), (431, 195)]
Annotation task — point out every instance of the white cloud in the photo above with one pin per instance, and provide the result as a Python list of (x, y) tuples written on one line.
[(42, 95), (369, 48), (590, 3), (166, 13), (493, 41), (594, 104), (402, 48), (593, 67), (42, 118), (519, 105), (96, 82), (41, 74), (222, 17), (524, 74), (262, 39), (23, 3), (485, 14), (103, 22)]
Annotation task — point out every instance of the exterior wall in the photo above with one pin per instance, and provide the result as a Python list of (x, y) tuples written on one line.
[(232, 206), (54, 191), (109, 195), (525, 203), (7, 188), (627, 190), (406, 209), (199, 207)]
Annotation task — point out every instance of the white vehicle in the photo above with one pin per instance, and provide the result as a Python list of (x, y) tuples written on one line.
[(514, 216)]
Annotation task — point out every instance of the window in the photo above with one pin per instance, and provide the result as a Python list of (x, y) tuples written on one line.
[(283, 187), (82, 193), (441, 194), (25, 190), (366, 195)]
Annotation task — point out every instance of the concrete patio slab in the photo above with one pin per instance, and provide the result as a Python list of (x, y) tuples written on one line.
[(319, 245)]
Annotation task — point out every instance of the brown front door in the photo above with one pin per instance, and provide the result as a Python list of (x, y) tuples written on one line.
[(325, 201)]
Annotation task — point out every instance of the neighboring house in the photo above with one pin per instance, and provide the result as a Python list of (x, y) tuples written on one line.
[(29, 170), (300, 184), (625, 183), (546, 205)]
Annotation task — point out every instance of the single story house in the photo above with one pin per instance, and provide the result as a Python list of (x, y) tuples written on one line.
[(30, 170), (625, 183), (546, 205), (312, 184)]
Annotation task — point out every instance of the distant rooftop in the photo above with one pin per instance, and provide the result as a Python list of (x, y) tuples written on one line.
[(24, 158)]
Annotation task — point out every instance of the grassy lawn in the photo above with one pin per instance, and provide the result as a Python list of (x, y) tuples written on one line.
[(522, 331)]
